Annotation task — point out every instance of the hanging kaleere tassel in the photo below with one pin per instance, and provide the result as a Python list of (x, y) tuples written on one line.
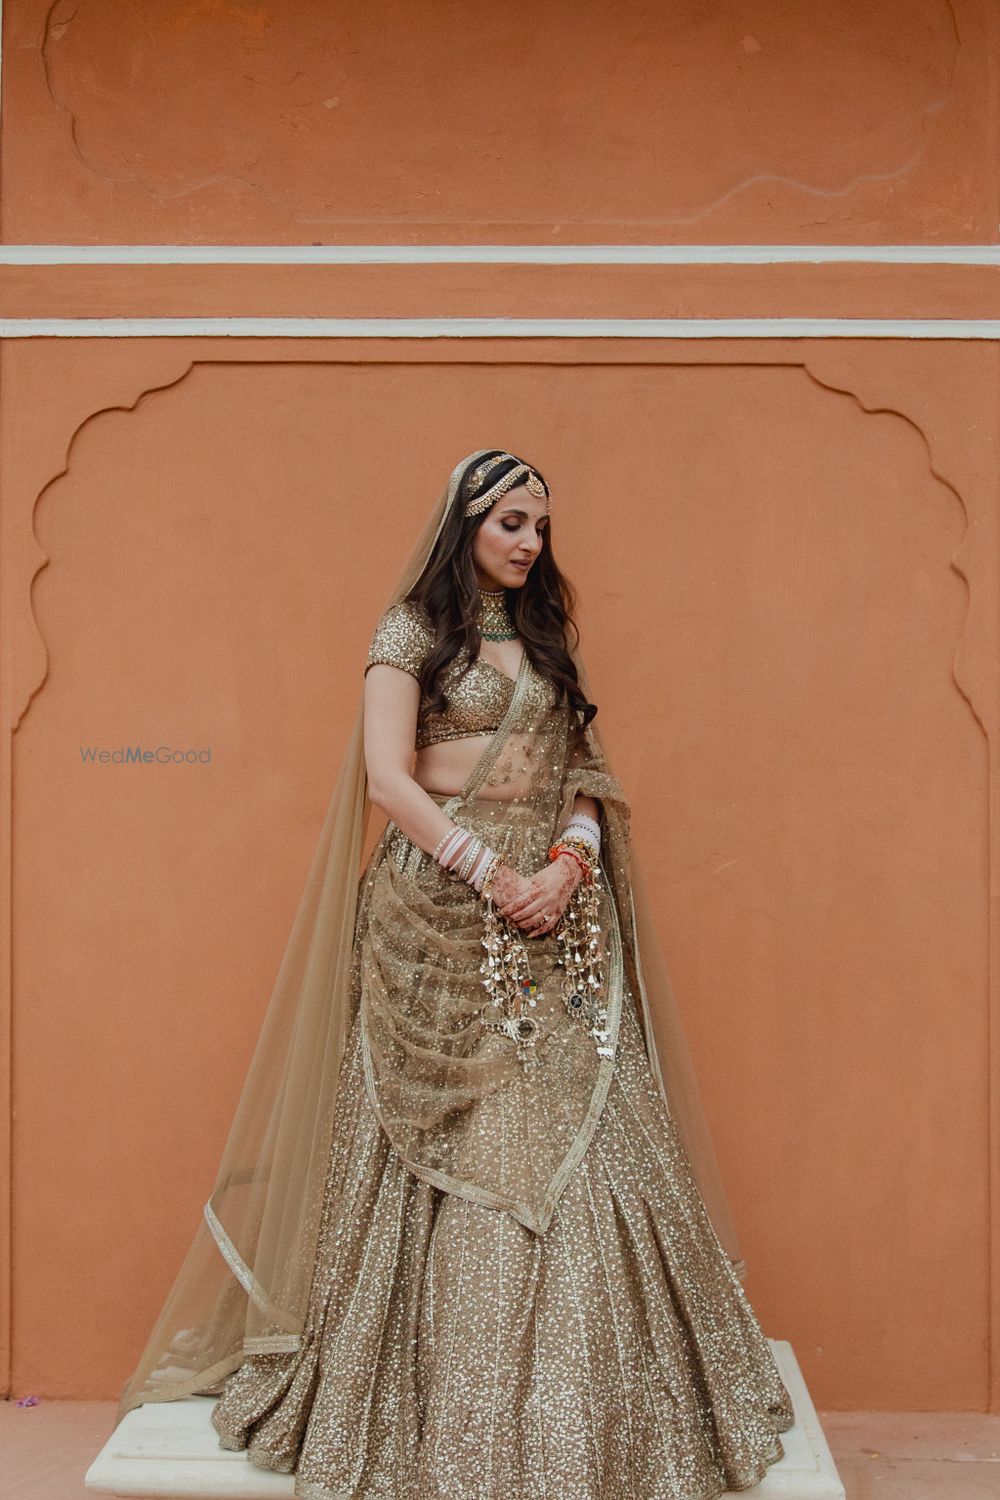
[(582, 956), (507, 976)]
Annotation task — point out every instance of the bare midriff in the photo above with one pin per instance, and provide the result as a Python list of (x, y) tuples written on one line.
[(446, 767)]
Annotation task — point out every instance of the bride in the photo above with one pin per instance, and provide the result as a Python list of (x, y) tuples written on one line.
[(468, 1236)]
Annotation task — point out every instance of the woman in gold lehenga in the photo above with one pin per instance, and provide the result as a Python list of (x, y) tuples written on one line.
[(468, 1237)]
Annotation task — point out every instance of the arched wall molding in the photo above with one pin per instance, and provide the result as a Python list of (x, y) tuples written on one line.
[(851, 386), (972, 689), (974, 669)]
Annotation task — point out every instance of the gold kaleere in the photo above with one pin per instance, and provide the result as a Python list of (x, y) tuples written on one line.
[(507, 977), (582, 955)]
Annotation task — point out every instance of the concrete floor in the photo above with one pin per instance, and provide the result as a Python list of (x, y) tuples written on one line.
[(45, 1451)]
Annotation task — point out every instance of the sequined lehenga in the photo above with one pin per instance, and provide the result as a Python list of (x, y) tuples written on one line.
[(517, 1289)]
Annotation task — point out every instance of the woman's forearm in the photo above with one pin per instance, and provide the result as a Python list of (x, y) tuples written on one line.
[(427, 825), (404, 800), (587, 805), (391, 713)]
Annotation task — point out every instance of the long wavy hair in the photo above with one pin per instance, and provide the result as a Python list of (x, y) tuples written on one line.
[(542, 608)]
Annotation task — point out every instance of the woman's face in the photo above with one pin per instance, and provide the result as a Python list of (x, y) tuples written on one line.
[(507, 543)]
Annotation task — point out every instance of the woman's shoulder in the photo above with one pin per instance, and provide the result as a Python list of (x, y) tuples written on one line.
[(402, 638)]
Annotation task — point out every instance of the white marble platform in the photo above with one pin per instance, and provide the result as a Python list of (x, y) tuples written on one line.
[(171, 1449)]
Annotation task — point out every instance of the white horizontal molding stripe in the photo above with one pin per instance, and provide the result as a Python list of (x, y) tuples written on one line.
[(518, 328), (542, 255)]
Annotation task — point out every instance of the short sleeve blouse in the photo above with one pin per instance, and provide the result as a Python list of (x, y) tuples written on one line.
[(402, 638), (478, 694)]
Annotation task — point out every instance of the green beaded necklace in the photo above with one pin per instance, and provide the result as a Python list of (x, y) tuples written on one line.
[(495, 623)]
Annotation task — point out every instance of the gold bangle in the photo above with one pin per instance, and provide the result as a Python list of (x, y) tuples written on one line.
[(491, 869)]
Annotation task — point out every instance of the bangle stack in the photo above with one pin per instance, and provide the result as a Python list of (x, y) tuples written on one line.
[(582, 826), (464, 855), (581, 840), (566, 846)]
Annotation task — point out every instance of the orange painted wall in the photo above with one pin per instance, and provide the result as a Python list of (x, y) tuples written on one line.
[(773, 121), (786, 548)]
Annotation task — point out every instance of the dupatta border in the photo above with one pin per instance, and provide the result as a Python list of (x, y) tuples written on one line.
[(194, 1385), (243, 1273)]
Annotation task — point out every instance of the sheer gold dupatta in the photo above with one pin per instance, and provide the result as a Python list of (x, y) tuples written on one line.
[(244, 1284)]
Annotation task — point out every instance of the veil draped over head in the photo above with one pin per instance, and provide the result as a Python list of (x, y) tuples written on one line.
[(243, 1287)]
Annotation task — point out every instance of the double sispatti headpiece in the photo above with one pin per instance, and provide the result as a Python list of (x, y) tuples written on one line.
[(514, 476)]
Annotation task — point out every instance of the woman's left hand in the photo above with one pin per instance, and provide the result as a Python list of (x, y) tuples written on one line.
[(537, 909)]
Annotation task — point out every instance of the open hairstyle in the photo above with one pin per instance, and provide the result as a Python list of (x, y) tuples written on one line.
[(542, 608)]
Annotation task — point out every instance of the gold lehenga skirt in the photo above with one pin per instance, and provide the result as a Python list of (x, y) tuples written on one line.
[(449, 1351)]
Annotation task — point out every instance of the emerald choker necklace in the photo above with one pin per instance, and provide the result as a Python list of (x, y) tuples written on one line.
[(495, 623)]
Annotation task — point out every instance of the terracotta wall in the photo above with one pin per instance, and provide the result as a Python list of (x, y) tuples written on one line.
[(786, 547)]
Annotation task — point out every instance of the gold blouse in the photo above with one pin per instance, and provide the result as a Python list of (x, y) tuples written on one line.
[(477, 698)]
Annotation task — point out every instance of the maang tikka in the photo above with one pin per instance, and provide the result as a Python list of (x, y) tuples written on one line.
[(483, 502)]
